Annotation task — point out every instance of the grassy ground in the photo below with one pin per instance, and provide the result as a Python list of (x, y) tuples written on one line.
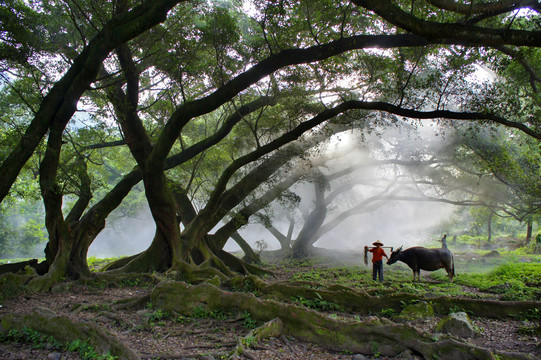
[(501, 270), (506, 275)]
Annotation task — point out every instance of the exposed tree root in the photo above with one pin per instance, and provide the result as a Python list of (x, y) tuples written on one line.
[(241, 266), (18, 266), (12, 285), (120, 279), (363, 303), (367, 337), (117, 264), (64, 330), (486, 308), (131, 303), (273, 328)]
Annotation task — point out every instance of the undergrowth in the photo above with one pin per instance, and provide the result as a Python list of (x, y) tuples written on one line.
[(40, 341), (513, 281)]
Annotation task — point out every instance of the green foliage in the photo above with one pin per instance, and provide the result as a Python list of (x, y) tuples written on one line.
[(317, 304), (248, 322), (96, 264), (86, 351), (22, 32), (27, 335), (21, 228), (335, 275), (533, 314), (388, 312), (248, 341), (158, 317), (202, 312)]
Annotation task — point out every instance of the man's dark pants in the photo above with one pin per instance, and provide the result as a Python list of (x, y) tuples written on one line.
[(377, 269)]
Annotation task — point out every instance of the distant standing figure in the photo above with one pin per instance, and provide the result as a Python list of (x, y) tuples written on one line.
[(444, 241), (377, 260)]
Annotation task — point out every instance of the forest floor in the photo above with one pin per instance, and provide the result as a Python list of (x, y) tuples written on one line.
[(153, 334)]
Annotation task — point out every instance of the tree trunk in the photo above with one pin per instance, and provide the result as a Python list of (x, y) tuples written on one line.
[(302, 246), (284, 240), (61, 251), (489, 228), (250, 255), (529, 231)]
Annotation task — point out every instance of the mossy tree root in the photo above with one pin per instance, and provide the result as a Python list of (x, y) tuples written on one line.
[(363, 303), (367, 337), (240, 265), (119, 263), (272, 328), (12, 285), (120, 279), (65, 330)]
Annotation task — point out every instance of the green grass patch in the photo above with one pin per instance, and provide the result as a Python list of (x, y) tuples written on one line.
[(317, 303), (96, 264), (513, 281)]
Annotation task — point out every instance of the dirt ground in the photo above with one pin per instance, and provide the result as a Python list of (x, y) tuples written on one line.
[(210, 338)]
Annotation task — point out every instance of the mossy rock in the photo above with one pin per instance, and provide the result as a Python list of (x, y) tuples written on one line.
[(456, 324), (419, 311)]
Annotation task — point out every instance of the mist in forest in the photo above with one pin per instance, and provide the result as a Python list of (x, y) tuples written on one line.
[(395, 224), (125, 236)]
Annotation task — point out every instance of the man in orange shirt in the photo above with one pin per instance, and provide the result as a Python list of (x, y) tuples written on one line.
[(377, 260)]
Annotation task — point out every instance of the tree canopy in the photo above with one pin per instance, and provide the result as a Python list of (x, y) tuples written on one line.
[(214, 107)]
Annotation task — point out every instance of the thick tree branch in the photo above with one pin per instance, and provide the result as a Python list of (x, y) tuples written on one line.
[(484, 8), (266, 67), (241, 217), (99, 212), (445, 114), (450, 33), (104, 145)]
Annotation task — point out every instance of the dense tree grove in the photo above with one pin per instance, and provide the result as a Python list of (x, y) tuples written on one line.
[(217, 109), (298, 115)]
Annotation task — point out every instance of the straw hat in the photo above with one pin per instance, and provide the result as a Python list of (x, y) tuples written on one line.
[(377, 243)]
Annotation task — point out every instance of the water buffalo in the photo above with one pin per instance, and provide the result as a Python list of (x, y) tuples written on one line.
[(419, 258)]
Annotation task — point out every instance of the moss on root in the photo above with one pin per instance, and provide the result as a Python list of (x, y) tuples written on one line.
[(12, 285), (65, 330), (363, 303)]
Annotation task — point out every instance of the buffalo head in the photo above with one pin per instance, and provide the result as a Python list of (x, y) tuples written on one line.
[(395, 256)]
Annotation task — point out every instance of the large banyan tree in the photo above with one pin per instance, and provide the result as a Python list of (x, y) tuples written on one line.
[(219, 104)]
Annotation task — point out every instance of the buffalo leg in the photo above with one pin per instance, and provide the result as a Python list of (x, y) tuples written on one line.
[(450, 274)]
